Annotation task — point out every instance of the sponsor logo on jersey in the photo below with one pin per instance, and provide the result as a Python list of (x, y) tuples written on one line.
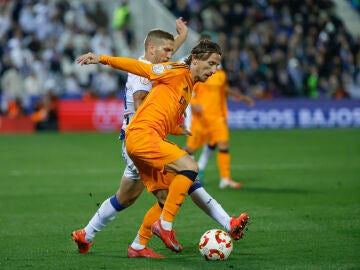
[(144, 81), (158, 69)]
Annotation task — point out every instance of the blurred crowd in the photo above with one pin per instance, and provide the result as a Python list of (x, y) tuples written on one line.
[(279, 48), (272, 48), (39, 41)]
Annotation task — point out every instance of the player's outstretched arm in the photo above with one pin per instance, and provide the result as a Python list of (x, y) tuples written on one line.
[(246, 99), (182, 30), (126, 64)]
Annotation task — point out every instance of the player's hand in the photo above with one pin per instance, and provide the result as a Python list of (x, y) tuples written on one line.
[(88, 58), (181, 27), (249, 101)]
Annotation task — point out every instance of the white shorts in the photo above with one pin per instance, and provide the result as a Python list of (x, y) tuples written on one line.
[(130, 171)]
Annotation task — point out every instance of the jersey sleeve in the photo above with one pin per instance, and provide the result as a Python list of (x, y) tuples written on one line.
[(150, 71), (127, 64), (138, 83)]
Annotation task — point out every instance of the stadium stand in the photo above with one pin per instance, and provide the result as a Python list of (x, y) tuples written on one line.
[(272, 48), (279, 48)]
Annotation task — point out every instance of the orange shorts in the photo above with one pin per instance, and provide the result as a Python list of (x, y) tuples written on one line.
[(150, 153), (154, 179), (213, 131)]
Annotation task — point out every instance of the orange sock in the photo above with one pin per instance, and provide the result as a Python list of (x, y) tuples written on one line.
[(223, 160), (177, 192), (152, 215)]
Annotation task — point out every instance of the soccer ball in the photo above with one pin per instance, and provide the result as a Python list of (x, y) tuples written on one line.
[(215, 245)]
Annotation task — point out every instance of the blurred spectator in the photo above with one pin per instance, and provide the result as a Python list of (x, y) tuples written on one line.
[(99, 15), (5, 22), (32, 86), (71, 86), (121, 22), (90, 94), (212, 19), (12, 85), (44, 115), (105, 82), (15, 108), (121, 16), (101, 42), (278, 48), (336, 89)]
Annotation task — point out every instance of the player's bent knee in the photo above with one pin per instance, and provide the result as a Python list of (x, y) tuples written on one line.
[(189, 174), (185, 163), (191, 165)]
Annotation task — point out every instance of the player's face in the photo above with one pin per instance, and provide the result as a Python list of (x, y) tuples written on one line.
[(163, 52), (203, 69)]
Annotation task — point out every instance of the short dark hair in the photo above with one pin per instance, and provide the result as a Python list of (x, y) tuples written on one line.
[(157, 35), (203, 50)]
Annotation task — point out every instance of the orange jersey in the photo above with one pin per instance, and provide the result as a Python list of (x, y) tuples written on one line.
[(211, 95), (164, 106)]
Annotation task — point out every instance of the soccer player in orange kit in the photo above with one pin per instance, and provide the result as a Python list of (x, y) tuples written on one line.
[(159, 47), (209, 124), (158, 116)]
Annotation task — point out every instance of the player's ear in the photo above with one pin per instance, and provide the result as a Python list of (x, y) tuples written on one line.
[(194, 60), (152, 48)]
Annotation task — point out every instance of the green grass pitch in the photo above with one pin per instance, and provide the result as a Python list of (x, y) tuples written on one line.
[(301, 190)]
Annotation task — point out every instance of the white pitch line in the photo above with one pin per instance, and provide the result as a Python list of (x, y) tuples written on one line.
[(236, 167), (93, 171)]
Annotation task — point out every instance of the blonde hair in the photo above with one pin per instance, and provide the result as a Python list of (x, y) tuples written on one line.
[(156, 36)]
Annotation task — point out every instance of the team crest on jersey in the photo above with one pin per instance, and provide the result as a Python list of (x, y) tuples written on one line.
[(168, 67), (144, 81), (158, 69)]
